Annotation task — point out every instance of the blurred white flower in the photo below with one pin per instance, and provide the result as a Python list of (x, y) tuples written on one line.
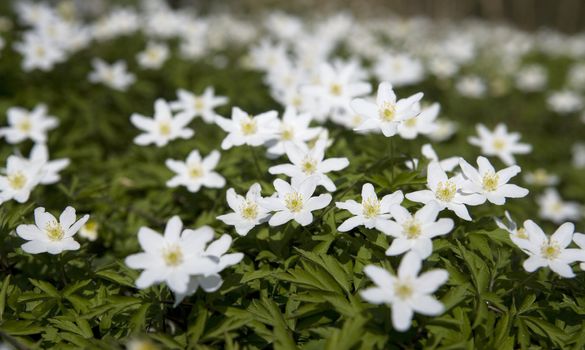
[(163, 127), (293, 131), (444, 130), (565, 101), (499, 143), (39, 53), (423, 123), (531, 78), (89, 231), (554, 208), (25, 124), (399, 69), (154, 55), (541, 177), (578, 151), (196, 172), (49, 235), (471, 86), (199, 106), (113, 75)]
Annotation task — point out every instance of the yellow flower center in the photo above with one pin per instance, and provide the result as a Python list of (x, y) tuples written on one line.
[(412, 229), (288, 133), (143, 345), (336, 89), (17, 180), (199, 103), (550, 250), (195, 171), (40, 51), (521, 233), (387, 112), (248, 126), (403, 290), (446, 191), (25, 125), (356, 120), (411, 122), (293, 202), (370, 208), (499, 144), (490, 182), (54, 231), (309, 166), (297, 101), (173, 255), (541, 177), (249, 210), (164, 128)]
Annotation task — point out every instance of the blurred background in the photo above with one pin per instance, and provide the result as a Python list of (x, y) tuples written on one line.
[(565, 15)]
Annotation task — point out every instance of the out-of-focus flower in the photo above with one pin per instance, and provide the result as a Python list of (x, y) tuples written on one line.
[(199, 106), (499, 143), (163, 127), (113, 75), (25, 124), (196, 172), (555, 209), (154, 56)]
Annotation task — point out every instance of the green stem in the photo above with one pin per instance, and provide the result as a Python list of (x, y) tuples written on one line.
[(256, 163)]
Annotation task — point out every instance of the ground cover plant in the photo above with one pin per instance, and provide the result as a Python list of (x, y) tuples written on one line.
[(178, 180)]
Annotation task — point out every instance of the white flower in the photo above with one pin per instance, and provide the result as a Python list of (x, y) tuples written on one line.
[(446, 191), (292, 131), (555, 209), (309, 162), (39, 52), (447, 164), (407, 292), (518, 235), (114, 76), (551, 252), (471, 86), (172, 258), (399, 69), (531, 78), (247, 210), (337, 85), (163, 127), (48, 234), (153, 56), (216, 250), (414, 232), (387, 113), (196, 172), (423, 123), (89, 230), (20, 178), (295, 201), (499, 143), (541, 177), (371, 212), (565, 101), (199, 106), (445, 129), (32, 125), (245, 129), (489, 184), (48, 169)]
